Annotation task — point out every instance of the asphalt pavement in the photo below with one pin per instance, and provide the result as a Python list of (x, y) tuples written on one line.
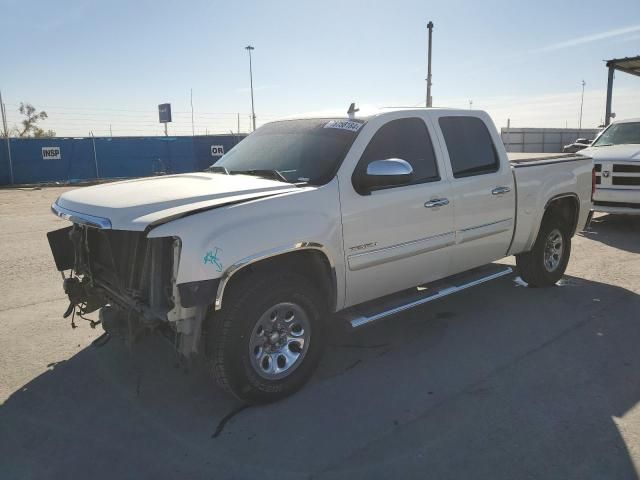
[(500, 381)]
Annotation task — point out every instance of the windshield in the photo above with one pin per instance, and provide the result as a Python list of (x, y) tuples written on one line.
[(296, 150), (619, 134)]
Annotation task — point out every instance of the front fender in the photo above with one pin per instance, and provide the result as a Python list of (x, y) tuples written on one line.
[(217, 243)]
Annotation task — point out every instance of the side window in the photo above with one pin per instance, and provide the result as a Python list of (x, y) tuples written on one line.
[(470, 147), (408, 139)]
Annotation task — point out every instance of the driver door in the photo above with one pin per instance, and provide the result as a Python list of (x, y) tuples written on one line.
[(401, 236)]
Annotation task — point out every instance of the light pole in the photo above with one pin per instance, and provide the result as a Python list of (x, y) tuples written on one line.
[(193, 128), (248, 48), (581, 104), (429, 100), (6, 136)]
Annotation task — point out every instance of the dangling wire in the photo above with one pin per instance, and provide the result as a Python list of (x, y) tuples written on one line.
[(81, 312)]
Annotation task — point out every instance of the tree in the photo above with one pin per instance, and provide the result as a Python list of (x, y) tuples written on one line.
[(30, 123)]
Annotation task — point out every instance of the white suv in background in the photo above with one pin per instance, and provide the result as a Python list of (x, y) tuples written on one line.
[(616, 155)]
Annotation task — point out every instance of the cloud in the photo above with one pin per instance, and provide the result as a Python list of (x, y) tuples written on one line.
[(589, 38)]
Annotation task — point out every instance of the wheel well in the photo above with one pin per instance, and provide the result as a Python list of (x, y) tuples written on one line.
[(565, 207), (311, 263)]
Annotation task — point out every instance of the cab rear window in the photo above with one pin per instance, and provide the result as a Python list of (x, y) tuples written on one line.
[(471, 150)]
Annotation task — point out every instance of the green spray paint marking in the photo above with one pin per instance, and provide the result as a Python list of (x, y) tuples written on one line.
[(212, 258)]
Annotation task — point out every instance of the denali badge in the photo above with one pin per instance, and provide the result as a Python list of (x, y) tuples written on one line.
[(363, 246)]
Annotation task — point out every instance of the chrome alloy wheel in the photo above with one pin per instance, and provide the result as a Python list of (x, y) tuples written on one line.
[(279, 341), (553, 249)]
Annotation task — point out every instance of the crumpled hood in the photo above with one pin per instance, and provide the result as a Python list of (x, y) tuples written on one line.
[(630, 152), (135, 204)]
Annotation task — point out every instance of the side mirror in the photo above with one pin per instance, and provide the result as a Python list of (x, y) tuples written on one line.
[(386, 173)]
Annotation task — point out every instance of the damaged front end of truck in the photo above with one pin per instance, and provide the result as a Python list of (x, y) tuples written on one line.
[(129, 277)]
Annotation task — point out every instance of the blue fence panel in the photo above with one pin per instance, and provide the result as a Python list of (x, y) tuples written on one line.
[(117, 157), (75, 162), (5, 175), (140, 157), (202, 148)]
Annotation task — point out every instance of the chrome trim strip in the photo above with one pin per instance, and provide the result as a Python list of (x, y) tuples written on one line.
[(358, 261), (229, 272), (485, 230), (358, 322), (534, 163), (81, 218)]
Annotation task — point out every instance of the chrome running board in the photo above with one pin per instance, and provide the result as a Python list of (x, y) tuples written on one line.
[(434, 291)]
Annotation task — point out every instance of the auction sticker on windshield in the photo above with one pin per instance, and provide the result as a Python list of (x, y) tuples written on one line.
[(344, 125)]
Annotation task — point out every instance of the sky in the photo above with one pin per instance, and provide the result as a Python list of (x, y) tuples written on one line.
[(103, 67)]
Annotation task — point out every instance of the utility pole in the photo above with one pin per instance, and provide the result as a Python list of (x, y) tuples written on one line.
[(607, 114), (95, 155), (581, 104), (429, 102), (470, 104), (4, 118), (249, 48), (193, 130), (6, 136)]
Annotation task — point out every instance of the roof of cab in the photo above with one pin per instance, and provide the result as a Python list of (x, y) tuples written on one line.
[(366, 114)]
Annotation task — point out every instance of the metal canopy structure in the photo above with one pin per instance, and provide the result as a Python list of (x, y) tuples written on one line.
[(630, 65)]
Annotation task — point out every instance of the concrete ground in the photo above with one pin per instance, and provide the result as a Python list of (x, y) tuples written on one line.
[(498, 382)]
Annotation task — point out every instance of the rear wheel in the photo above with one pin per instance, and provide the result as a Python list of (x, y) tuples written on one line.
[(268, 338), (545, 264)]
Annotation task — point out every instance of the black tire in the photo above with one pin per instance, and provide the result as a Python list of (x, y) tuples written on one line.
[(231, 331), (531, 265)]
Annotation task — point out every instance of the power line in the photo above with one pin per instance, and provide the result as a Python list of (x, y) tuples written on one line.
[(153, 112)]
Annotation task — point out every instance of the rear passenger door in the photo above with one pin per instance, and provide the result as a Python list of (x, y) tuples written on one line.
[(483, 189)]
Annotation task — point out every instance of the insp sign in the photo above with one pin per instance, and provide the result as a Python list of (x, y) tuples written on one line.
[(51, 153), (217, 150)]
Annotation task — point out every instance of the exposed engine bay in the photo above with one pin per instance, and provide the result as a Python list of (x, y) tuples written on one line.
[(129, 277)]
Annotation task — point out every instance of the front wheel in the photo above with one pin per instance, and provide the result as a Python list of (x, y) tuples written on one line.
[(545, 264), (268, 338)]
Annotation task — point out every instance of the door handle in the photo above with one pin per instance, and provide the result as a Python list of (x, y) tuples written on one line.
[(500, 190), (437, 202)]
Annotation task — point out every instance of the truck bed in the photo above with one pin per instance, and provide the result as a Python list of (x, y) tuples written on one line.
[(520, 159), (553, 175)]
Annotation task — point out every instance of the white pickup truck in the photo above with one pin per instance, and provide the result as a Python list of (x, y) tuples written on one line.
[(312, 220), (616, 154)]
